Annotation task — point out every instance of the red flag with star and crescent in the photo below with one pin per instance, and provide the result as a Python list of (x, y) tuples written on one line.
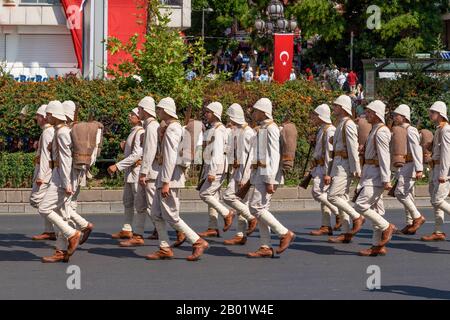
[(283, 56)]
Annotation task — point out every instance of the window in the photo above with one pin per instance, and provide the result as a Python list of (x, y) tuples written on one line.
[(177, 3), (50, 2)]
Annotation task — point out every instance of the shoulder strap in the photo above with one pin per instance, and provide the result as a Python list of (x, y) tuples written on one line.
[(375, 138), (135, 137), (344, 133), (324, 137)]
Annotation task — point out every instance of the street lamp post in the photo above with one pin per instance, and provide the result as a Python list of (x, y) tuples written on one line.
[(276, 21), (203, 31)]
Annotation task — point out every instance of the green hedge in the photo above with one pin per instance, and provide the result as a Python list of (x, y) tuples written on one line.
[(16, 170)]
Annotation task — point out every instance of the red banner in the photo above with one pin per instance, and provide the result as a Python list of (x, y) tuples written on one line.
[(75, 22), (283, 56)]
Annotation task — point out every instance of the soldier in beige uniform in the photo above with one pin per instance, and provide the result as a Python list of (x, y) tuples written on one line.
[(171, 178), (241, 138), (60, 189), (214, 170), (440, 184), (375, 178), (130, 165), (266, 175), (78, 180), (412, 170), (43, 170), (322, 158), (345, 168)]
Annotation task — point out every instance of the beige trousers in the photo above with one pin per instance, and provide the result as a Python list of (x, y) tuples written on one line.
[(168, 210), (210, 194), (37, 194), (259, 207), (128, 200), (405, 194), (241, 206), (439, 193), (143, 202), (54, 208), (370, 205), (320, 194), (338, 195)]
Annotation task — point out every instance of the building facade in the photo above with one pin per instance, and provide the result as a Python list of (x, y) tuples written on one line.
[(37, 39)]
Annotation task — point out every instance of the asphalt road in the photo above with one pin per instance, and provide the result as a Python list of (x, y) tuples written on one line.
[(310, 269)]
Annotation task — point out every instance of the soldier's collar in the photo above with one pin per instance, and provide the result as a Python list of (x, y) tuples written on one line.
[(47, 125), (442, 124), (59, 126)]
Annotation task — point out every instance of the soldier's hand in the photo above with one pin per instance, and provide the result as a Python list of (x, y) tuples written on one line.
[(270, 188), (387, 186), (122, 145), (327, 180), (69, 191), (39, 182), (112, 169), (419, 175), (165, 190), (442, 180), (143, 180), (357, 175), (211, 179), (240, 185)]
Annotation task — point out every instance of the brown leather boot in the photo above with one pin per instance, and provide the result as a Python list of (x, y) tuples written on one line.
[(434, 237), (405, 230), (417, 223), (210, 233), (236, 240), (86, 232), (197, 249), (73, 243), (386, 236), (373, 251), (45, 236), (357, 224), (338, 225), (262, 252), (161, 254), (58, 256), (181, 238), (122, 235), (323, 231), (285, 241), (154, 235), (136, 241), (252, 226), (342, 238), (228, 220)]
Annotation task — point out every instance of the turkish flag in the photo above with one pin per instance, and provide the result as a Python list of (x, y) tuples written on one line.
[(284, 54)]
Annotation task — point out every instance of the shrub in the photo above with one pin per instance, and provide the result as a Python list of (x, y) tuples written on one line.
[(16, 170)]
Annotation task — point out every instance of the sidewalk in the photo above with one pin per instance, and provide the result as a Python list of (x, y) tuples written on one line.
[(102, 201)]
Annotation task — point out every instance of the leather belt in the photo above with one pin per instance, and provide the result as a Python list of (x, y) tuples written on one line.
[(373, 162), (55, 164), (258, 164), (343, 154), (318, 162), (409, 158), (138, 163), (434, 163)]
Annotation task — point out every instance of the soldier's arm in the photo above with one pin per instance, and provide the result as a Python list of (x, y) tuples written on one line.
[(383, 139), (45, 156), (135, 155), (218, 149), (416, 149), (171, 142), (150, 148), (445, 153), (329, 150), (351, 132), (65, 158), (273, 152)]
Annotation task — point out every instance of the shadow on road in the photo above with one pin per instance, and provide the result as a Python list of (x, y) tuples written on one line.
[(415, 291), (418, 247), (115, 252), (322, 250), (18, 255)]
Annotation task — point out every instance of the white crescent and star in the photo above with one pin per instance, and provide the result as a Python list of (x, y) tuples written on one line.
[(284, 53)]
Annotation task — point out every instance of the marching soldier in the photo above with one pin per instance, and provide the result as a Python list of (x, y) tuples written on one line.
[(375, 178), (214, 170), (413, 169), (266, 176), (171, 178), (43, 170), (240, 141), (345, 168), (440, 183), (78, 180), (131, 165), (60, 189), (322, 158)]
